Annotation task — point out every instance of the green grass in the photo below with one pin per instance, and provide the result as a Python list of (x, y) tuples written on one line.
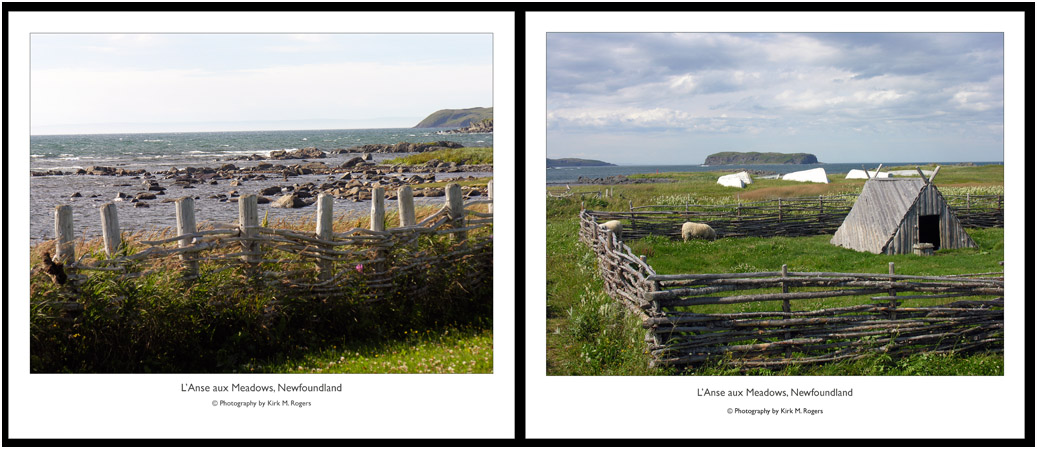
[(575, 294), (462, 156), (450, 350), (587, 332)]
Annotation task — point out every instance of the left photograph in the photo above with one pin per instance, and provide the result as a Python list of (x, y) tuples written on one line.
[(261, 203)]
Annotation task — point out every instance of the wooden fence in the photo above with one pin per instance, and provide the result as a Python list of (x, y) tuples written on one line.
[(303, 264), (790, 217), (690, 320)]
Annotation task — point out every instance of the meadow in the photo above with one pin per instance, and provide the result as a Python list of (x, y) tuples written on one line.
[(589, 334)]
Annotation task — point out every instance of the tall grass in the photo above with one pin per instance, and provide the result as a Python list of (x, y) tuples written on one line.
[(227, 322), (462, 156)]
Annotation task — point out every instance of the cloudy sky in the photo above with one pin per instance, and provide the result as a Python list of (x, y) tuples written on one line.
[(95, 83), (641, 98)]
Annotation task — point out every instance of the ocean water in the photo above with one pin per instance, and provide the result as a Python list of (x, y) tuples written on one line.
[(563, 175), (161, 151)]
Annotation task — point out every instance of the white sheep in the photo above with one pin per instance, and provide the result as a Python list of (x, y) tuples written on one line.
[(613, 225), (690, 230)]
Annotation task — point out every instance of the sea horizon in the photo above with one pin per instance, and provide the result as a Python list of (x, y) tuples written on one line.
[(562, 175)]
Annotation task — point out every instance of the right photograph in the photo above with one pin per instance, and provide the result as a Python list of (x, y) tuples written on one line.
[(805, 204)]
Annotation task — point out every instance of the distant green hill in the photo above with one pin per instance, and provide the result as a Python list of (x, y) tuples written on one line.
[(732, 157), (575, 162), (455, 118)]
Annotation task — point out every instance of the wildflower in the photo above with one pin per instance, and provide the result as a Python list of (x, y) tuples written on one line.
[(360, 267)]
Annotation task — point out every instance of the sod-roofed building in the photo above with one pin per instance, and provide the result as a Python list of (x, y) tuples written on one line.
[(893, 214)]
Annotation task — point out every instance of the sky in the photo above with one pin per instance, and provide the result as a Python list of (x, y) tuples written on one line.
[(98, 83), (653, 98)]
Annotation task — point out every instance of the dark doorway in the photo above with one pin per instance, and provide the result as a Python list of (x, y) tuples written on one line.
[(929, 230)]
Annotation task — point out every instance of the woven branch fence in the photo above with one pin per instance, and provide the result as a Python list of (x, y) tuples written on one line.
[(790, 217), (688, 322), (388, 261)]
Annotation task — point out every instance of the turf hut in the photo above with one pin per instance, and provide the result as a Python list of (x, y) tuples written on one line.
[(892, 215)]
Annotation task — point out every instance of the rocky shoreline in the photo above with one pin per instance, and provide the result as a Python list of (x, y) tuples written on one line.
[(351, 180), (485, 126), (619, 179)]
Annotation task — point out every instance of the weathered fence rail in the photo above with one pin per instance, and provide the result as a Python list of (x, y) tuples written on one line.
[(386, 261), (690, 318), (791, 217)]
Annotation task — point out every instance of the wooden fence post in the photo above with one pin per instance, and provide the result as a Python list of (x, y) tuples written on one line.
[(405, 201), (455, 204), (65, 250), (378, 209), (110, 229), (892, 294), (489, 193), (785, 305), (779, 210), (325, 206), (185, 225), (248, 220)]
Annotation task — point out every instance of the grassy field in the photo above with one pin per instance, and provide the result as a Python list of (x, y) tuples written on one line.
[(450, 350), (612, 342)]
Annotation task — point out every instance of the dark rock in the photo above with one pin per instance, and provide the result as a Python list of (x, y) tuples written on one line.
[(76, 195), (352, 162), (273, 190), (146, 196)]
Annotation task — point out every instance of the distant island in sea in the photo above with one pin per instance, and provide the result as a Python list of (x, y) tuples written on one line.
[(576, 162), (733, 157)]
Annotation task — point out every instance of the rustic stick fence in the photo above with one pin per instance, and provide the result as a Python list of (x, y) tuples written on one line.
[(791, 217), (303, 264), (690, 318)]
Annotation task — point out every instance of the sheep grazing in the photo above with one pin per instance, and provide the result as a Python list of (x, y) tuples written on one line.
[(690, 230), (614, 225)]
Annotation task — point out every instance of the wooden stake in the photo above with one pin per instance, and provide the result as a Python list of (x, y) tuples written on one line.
[(378, 209), (185, 225), (405, 201), (892, 293), (65, 250), (110, 229), (489, 193), (455, 204), (325, 206), (248, 218)]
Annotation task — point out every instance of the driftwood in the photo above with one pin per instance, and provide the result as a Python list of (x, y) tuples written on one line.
[(681, 335)]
